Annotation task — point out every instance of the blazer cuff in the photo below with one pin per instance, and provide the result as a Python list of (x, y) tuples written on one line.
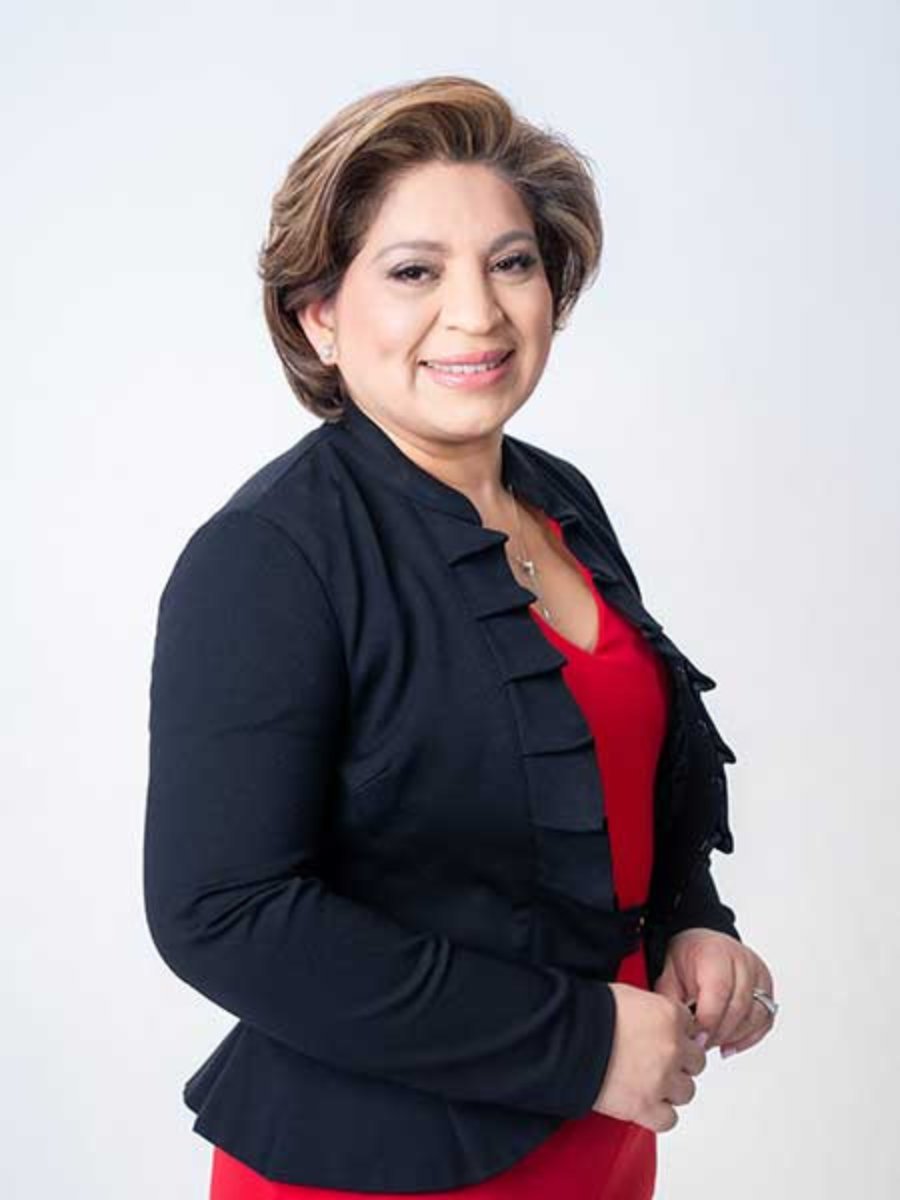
[(596, 1005), (702, 907)]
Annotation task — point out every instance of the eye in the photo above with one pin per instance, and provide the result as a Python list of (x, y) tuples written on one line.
[(513, 264), (402, 273), (523, 259)]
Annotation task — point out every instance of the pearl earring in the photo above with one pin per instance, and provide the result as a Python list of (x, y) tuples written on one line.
[(327, 352)]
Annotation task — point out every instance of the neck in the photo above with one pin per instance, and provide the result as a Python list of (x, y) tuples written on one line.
[(473, 467)]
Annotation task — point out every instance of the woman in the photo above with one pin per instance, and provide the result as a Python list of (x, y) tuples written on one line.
[(432, 796)]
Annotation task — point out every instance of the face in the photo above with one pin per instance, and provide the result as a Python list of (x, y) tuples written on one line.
[(479, 286)]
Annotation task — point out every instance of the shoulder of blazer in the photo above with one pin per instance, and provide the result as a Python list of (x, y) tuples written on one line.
[(301, 487), (296, 492)]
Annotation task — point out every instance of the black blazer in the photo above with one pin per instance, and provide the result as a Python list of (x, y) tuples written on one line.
[(375, 828)]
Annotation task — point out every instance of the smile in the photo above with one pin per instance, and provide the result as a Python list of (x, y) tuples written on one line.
[(468, 368), (470, 376)]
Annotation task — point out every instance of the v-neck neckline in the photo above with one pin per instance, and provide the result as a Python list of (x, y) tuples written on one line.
[(556, 529)]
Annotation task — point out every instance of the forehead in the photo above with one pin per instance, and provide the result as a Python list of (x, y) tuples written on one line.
[(453, 203)]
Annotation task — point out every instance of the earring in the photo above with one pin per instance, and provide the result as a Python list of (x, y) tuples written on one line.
[(327, 352)]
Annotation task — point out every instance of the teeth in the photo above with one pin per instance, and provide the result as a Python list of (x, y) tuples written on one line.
[(465, 368)]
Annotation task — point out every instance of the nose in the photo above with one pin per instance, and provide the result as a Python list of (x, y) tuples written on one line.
[(470, 302)]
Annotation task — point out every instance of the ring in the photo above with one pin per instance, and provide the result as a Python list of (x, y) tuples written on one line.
[(766, 1001)]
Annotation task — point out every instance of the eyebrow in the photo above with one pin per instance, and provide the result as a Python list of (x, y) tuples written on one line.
[(512, 235)]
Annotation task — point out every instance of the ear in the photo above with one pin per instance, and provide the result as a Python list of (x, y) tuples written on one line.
[(316, 319)]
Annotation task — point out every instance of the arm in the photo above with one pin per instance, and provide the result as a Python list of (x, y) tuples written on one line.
[(247, 712), (701, 907)]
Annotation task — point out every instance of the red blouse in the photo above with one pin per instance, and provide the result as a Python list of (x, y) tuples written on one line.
[(622, 689)]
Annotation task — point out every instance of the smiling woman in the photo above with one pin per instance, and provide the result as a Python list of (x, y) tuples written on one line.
[(431, 792), (428, 197), (472, 313)]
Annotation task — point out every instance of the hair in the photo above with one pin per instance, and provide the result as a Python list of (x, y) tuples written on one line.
[(332, 192)]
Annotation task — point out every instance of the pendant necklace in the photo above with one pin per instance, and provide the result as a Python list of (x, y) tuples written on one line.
[(527, 564)]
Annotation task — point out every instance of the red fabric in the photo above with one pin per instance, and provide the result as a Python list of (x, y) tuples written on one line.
[(621, 687)]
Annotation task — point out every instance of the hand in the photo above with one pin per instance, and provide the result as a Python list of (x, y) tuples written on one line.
[(652, 1061), (718, 972)]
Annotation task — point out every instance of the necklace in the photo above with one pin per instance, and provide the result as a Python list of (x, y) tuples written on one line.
[(528, 565)]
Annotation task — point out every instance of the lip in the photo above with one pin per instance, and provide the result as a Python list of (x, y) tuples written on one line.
[(492, 373), (482, 356)]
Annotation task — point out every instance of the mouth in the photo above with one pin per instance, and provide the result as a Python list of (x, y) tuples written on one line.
[(469, 364)]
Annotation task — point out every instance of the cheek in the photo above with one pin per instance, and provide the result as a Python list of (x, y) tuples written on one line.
[(540, 330), (536, 313), (396, 329), (378, 324)]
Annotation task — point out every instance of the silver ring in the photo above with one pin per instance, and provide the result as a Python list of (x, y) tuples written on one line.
[(766, 1001)]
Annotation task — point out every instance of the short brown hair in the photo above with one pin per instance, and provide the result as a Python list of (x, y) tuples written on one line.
[(332, 191)]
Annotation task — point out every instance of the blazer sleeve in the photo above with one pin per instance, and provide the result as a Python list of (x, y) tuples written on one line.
[(248, 697), (701, 907)]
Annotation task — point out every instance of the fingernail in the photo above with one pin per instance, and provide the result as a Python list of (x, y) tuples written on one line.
[(728, 1050), (701, 1039)]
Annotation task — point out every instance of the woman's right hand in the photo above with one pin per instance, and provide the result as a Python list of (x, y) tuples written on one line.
[(653, 1059)]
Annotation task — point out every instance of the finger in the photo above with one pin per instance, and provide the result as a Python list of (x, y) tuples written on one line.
[(750, 1040), (729, 1048), (668, 984), (737, 1016), (716, 988), (682, 1089), (694, 1029), (749, 1014), (693, 1061), (755, 1027), (661, 1117)]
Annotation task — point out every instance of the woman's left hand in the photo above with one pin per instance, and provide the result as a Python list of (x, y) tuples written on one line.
[(719, 973)]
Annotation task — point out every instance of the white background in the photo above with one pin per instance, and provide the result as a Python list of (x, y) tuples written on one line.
[(729, 385)]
